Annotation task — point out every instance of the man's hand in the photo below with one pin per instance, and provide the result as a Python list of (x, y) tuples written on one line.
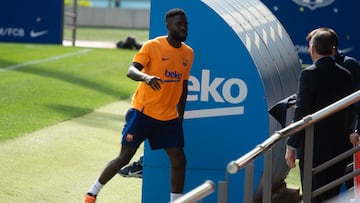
[(153, 82), (354, 138), (290, 157)]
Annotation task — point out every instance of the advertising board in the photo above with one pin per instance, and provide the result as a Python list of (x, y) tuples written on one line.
[(39, 21)]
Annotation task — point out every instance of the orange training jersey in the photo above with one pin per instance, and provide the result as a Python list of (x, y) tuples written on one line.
[(173, 66)]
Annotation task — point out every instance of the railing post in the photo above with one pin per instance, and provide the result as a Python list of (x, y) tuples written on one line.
[(308, 163), (249, 183), (222, 190), (267, 180), (307, 124)]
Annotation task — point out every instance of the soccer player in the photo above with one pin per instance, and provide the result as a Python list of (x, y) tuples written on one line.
[(162, 67)]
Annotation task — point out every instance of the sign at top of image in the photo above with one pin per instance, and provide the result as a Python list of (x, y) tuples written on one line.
[(299, 17), (38, 21)]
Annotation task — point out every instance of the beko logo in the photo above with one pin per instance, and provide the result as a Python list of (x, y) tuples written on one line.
[(174, 74), (12, 32), (219, 90)]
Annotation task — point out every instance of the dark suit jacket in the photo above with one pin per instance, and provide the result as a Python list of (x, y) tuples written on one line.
[(351, 64), (320, 85)]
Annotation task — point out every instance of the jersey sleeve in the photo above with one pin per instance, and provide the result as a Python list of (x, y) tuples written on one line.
[(143, 55)]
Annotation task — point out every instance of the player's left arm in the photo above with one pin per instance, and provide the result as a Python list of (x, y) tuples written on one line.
[(182, 101)]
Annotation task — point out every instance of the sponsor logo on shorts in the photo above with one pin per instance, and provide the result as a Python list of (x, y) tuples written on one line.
[(129, 137)]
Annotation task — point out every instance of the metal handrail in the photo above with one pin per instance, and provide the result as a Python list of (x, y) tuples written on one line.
[(197, 193), (234, 166), (247, 160), (309, 171)]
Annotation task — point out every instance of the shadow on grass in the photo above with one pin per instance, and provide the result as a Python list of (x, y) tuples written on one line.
[(90, 84), (69, 111), (104, 120)]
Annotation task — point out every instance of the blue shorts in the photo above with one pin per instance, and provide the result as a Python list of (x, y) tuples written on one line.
[(160, 134)]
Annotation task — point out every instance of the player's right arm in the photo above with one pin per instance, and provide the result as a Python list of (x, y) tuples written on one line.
[(135, 73)]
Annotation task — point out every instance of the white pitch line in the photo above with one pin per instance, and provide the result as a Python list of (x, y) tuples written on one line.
[(43, 60)]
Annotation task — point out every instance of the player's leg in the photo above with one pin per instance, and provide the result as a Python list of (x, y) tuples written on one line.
[(133, 170), (132, 137), (169, 135), (125, 155), (177, 173)]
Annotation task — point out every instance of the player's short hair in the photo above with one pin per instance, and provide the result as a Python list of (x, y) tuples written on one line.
[(174, 12)]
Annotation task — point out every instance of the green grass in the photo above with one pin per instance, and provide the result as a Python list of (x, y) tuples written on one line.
[(44, 85), (50, 90), (293, 178), (55, 83), (59, 163)]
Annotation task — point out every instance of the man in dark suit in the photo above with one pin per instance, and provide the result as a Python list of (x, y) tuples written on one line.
[(321, 84)]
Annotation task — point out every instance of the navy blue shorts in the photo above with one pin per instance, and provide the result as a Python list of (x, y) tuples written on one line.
[(161, 134)]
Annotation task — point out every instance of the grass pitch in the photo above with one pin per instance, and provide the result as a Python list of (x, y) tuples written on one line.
[(59, 163), (57, 129), (41, 85)]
